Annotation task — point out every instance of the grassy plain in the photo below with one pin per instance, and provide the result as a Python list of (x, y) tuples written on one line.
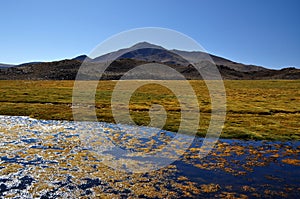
[(260, 109)]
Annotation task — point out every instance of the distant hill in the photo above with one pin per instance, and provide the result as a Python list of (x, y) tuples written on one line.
[(6, 65), (82, 58), (141, 53), (193, 56), (149, 52)]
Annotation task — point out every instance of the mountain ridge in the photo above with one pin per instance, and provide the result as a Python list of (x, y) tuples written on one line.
[(142, 53)]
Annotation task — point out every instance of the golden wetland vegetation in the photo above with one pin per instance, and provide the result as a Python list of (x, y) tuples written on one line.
[(51, 158), (259, 109)]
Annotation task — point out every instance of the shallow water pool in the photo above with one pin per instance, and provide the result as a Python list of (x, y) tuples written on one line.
[(62, 159)]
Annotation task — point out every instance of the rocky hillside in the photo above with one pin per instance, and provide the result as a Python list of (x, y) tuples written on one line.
[(142, 53)]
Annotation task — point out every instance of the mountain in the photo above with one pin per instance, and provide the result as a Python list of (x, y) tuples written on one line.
[(6, 65), (194, 56), (142, 53), (28, 63), (149, 52), (82, 58), (57, 70), (116, 54)]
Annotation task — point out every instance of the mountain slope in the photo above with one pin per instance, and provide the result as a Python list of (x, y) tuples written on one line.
[(149, 52), (116, 54), (141, 53), (194, 56), (6, 65), (67, 70)]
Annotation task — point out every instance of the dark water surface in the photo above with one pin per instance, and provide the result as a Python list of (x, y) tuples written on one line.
[(61, 159)]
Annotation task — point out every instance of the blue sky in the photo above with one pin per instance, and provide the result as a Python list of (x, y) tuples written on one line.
[(258, 32)]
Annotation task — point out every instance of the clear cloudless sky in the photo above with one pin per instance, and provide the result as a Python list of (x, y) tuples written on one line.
[(261, 32)]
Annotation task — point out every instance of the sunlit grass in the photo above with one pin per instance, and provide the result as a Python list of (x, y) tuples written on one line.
[(260, 109)]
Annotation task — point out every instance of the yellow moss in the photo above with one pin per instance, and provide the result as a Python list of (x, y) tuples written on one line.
[(208, 188), (295, 162), (182, 178), (10, 168)]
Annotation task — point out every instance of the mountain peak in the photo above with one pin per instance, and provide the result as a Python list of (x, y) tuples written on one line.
[(145, 44), (82, 58)]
